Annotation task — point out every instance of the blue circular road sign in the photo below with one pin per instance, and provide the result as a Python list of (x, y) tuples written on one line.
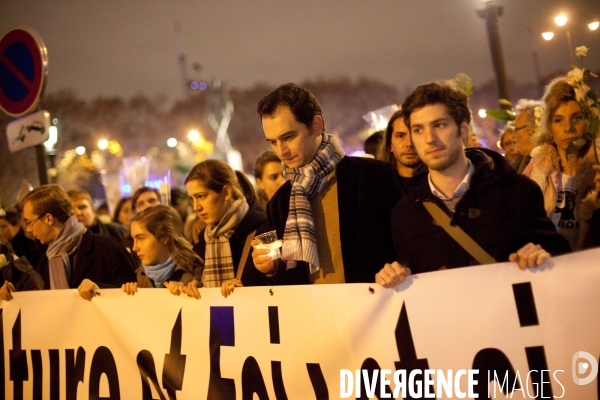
[(23, 69)]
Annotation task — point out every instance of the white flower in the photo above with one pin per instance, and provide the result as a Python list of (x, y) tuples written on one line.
[(581, 94), (3, 261), (581, 51), (575, 76)]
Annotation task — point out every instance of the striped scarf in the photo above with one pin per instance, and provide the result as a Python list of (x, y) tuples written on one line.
[(65, 244), (299, 239), (218, 262)]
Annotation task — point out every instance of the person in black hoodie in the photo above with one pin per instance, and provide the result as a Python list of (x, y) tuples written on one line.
[(498, 208)]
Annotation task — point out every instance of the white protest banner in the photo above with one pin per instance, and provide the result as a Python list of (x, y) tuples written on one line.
[(537, 331)]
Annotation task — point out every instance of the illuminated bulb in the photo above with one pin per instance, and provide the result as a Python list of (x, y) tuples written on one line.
[(80, 150), (593, 25), (193, 135), (482, 113), (172, 142), (102, 144), (561, 20), (548, 35)]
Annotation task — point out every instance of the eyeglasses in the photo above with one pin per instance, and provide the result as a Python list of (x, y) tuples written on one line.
[(29, 224)]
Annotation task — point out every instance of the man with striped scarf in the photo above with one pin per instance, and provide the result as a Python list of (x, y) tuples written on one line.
[(333, 212)]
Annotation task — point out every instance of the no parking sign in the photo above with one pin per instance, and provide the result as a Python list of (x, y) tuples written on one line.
[(23, 69)]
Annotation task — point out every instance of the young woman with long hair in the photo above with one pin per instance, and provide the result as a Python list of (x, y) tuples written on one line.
[(167, 259), (232, 218), (166, 256)]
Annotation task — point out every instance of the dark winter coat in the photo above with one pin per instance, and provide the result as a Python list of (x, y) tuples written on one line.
[(502, 211), (367, 191), (100, 259)]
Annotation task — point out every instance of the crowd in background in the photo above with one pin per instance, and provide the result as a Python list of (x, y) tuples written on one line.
[(342, 219)]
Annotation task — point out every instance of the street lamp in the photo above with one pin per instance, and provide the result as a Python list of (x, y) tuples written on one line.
[(561, 20), (193, 135), (547, 35), (491, 13)]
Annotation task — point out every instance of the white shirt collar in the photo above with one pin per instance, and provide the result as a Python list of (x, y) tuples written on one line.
[(460, 190)]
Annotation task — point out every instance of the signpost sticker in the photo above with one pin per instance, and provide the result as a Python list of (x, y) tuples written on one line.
[(28, 131), (23, 69)]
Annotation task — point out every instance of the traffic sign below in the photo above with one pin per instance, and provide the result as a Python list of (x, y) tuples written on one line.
[(23, 69), (28, 131)]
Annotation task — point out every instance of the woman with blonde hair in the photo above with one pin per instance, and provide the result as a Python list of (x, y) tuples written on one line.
[(565, 173), (232, 221)]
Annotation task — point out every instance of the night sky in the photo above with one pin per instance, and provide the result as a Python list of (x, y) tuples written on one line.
[(121, 48)]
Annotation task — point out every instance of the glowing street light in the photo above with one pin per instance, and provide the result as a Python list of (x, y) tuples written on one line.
[(171, 142), (102, 144), (548, 35), (80, 150), (561, 20), (193, 135)]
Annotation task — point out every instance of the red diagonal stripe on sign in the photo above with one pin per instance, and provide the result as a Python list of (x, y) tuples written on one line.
[(16, 72)]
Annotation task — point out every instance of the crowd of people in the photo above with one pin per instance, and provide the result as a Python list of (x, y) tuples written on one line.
[(431, 198)]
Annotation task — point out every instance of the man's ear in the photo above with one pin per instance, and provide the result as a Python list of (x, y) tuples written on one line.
[(464, 130), (49, 219), (317, 125)]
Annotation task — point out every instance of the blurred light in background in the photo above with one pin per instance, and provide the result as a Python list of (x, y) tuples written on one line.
[(548, 35), (193, 135), (561, 20)]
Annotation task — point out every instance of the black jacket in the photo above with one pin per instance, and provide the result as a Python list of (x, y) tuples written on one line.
[(367, 191), (119, 232), (254, 218), (100, 259), (502, 211), (31, 249)]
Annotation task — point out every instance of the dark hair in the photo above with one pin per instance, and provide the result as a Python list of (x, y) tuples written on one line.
[(177, 197), (438, 93), (373, 142), (11, 216), (303, 104), (120, 205), (165, 223), (246, 186), (141, 191), (50, 199), (214, 175), (384, 153), (263, 159)]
